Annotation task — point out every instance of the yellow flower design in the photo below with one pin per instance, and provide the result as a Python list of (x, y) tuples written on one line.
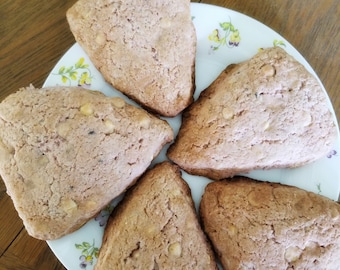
[(64, 79), (214, 36), (221, 36), (235, 37), (84, 79)]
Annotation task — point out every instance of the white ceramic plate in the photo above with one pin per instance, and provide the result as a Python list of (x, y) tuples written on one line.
[(224, 37)]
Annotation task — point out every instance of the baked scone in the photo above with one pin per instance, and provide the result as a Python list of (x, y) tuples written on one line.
[(261, 225), (66, 152), (156, 227), (145, 49), (267, 112)]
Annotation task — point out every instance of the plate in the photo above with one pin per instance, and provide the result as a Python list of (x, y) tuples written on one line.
[(223, 37)]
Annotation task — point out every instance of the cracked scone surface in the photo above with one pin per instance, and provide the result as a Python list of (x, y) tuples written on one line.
[(267, 112), (66, 152), (144, 49), (260, 225), (156, 227)]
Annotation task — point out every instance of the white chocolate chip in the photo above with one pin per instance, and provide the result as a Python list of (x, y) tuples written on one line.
[(42, 161), (109, 126), (63, 129), (268, 70), (232, 230), (144, 121), (312, 245), (175, 249), (101, 38), (227, 113), (176, 193), (90, 205), (87, 109), (118, 102), (253, 200), (292, 254), (68, 205), (306, 118), (266, 125)]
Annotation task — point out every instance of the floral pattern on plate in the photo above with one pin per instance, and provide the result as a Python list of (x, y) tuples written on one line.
[(246, 35), (104, 215), (88, 253), (79, 72), (227, 35)]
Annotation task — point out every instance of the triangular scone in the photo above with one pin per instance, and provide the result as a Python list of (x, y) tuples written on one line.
[(268, 112), (156, 227), (65, 153), (260, 225), (145, 49)]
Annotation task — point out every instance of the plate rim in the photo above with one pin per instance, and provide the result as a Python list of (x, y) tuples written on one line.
[(210, 6)]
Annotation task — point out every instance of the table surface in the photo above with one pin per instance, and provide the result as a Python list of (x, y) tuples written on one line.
[(35, 34)]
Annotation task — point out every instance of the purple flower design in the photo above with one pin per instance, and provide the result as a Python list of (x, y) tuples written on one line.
[(102, 217), (88, 253), (85, 261), (332, 153)]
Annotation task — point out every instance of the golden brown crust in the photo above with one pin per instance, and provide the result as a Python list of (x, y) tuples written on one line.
[(260, 225), (156, 226)]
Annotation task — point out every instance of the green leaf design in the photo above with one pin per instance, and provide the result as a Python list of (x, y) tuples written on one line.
[(79, 63), (225, 26), (278, 43), (68, 70), (71, 73), (318, 186), (86, 245), (96, 252), (61, 70), (78, 246)]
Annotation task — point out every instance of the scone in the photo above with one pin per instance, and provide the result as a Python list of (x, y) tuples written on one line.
[(261, 225), (156, 227), (66, 152), (145, 49), (268, 112)]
